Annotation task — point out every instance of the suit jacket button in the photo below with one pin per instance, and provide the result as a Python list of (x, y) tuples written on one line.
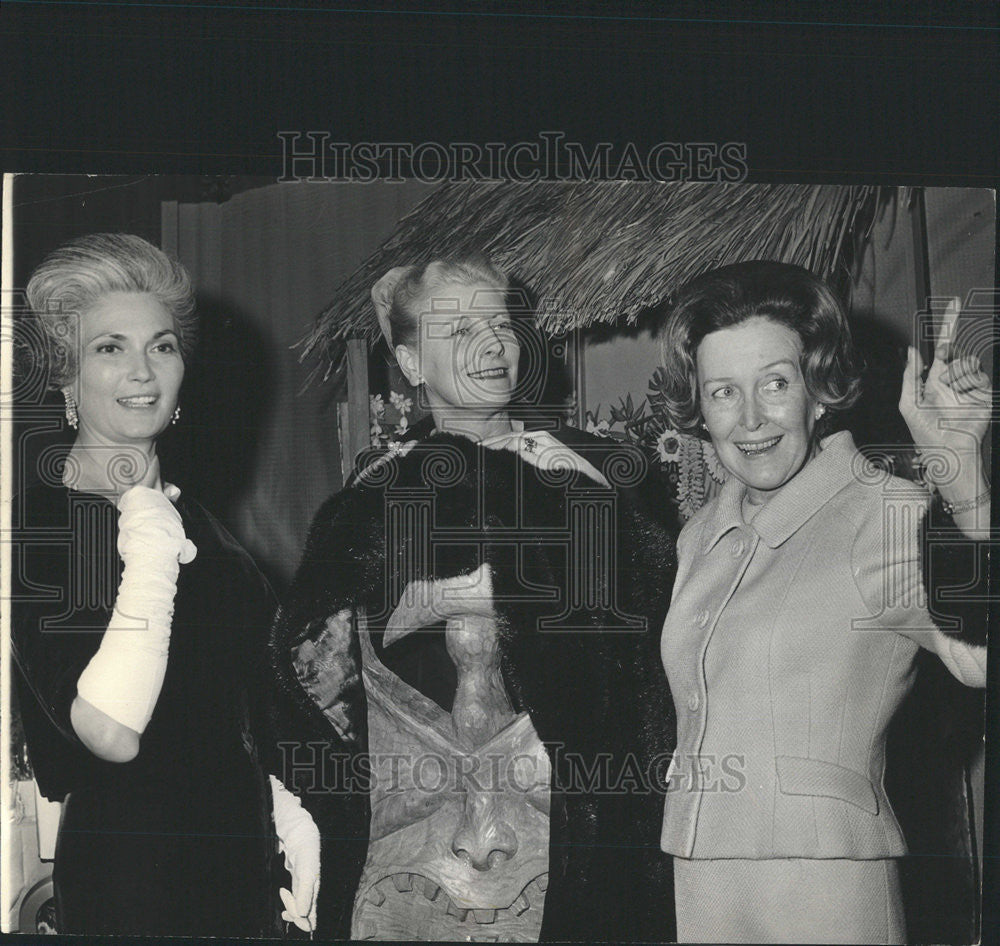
[(693, 702), (703, 617), (738, 548)]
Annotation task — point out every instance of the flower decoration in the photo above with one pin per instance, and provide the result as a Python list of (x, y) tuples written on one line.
[(712, 462), (689, 464), (600, 428), (668, 446), (389, 422), (401, 403)]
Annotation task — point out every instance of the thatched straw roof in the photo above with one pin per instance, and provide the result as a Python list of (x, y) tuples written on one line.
[(601, 252)]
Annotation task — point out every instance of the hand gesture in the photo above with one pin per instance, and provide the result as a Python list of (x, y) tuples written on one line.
[(949, 412), (150, 528)]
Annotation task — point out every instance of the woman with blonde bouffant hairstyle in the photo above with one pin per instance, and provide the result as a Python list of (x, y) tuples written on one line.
[(140, 671)]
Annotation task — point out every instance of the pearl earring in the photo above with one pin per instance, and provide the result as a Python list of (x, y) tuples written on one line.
[(177, 415), (72, 418), (820, 410)]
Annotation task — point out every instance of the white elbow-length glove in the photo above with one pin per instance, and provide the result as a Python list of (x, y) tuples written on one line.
[(298, 839), (124, 677)]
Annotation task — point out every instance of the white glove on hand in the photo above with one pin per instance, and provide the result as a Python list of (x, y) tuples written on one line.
[(124, 677), (150, 526), (298, 839)]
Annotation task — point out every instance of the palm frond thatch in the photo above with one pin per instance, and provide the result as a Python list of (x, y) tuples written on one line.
[(602, 252)]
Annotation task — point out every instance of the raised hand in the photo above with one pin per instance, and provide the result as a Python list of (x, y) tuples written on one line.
[(949, 412), (150, 528)]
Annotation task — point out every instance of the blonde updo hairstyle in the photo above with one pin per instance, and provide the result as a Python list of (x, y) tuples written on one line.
[(76, 276), (404, 293)]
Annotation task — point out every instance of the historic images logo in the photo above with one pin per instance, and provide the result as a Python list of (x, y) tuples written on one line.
[(320, 768), (314, 156)]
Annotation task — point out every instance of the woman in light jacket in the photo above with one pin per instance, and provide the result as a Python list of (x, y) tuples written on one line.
[(798, 611)]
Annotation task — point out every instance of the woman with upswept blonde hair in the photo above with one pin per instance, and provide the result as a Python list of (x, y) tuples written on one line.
[(139, 627), (549, 640)]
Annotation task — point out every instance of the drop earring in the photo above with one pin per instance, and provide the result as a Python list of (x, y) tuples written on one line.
[(72, 418), (177, 415), (820, 410)]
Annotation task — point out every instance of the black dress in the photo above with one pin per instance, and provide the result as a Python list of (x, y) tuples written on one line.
[(179, 840)]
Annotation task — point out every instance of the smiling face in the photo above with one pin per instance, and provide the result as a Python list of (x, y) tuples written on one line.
[(467, 351), (755, 404), (130, 370)]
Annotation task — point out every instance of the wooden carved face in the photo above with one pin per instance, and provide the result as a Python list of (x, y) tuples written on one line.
[(460, 803)]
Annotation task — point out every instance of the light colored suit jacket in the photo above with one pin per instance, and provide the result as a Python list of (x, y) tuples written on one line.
[(789, 645)]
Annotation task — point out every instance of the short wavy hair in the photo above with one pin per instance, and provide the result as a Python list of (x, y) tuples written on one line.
[(73, 278), (787, 294)]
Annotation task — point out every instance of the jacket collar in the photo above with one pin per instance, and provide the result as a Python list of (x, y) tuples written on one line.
[(797, 501)]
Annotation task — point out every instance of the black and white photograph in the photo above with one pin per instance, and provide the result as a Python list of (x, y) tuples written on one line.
[(499, 538), (345, 530)]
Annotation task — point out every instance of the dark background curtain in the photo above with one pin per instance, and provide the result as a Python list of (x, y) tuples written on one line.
[(265, 263)]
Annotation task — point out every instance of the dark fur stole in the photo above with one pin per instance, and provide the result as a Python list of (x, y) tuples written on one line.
[(582, 576)]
